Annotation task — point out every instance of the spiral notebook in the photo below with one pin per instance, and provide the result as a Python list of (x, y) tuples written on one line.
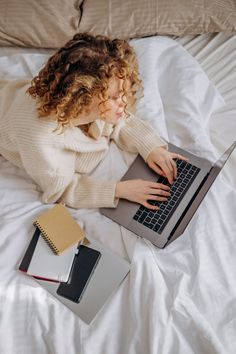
[(59, 229)]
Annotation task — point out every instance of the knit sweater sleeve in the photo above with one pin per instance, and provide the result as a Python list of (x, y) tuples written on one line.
[(65, 185), (78, 191), (86, 192), (135, 135)]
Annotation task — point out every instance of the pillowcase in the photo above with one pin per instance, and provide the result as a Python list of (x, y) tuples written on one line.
[(38, 23), (139, 18)]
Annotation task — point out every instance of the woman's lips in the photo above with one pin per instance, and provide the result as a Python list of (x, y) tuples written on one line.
[(119, 115)]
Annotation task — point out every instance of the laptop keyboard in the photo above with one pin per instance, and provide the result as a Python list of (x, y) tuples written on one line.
[(157, 220)]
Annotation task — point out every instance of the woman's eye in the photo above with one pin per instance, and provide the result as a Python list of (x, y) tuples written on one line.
[(114, 98)]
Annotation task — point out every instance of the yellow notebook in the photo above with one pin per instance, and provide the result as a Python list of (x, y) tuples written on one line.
[(59, 229)]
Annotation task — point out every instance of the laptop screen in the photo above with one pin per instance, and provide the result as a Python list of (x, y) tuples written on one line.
[(224, 157)]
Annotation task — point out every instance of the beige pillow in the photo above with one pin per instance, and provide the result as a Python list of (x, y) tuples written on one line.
[(138, 18), (38, 23)]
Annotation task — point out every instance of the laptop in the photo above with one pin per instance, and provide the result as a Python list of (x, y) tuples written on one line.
[(161, 227)]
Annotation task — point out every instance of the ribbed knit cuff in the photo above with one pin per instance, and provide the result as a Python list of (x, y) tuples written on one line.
[(91, 193), (106, 194), (143, 136), (149, 144)]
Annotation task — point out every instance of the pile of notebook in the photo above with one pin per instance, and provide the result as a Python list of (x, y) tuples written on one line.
[(55, 243), (69, 266)]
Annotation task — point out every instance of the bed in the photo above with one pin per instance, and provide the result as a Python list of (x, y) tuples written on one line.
[(181, 299)]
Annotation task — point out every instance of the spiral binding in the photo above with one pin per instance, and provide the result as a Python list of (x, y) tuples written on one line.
[(47, 239)]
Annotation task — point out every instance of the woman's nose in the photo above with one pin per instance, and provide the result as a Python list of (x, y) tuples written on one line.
[(121, 101)]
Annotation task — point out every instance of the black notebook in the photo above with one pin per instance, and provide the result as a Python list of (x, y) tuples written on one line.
[(24, 265), (82, 269)]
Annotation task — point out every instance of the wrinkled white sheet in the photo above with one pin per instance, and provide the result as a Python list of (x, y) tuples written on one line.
[(177, 300), (217, 55)]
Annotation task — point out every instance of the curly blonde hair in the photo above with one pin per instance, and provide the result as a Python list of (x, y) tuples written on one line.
[(80, 71)]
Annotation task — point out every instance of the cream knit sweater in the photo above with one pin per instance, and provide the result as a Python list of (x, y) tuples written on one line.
[(60, 163)]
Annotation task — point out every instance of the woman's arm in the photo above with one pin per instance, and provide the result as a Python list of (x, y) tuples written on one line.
[(87, 192), (53, 170), (135, 135)]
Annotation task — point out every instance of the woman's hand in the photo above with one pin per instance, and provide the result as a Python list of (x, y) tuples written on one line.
[(140, 191), (162, 162)]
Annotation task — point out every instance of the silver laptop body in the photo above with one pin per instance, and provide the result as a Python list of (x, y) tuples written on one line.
[(204, 175), (108, 275)]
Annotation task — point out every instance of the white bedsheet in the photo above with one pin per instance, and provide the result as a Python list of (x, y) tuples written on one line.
[(177, 300), (217, 55)]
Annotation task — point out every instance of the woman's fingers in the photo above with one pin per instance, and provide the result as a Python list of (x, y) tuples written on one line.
[(157, 197), (168, 167), (164, 169), (150, 206), (174, 166), (173, 163), (171, 168), (159, 192), (156, 192), (178, 156), (157, 169), (167, 171), (157, 185)]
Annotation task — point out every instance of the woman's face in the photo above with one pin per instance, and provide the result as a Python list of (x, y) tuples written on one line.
[(113, 108), (111, 111)]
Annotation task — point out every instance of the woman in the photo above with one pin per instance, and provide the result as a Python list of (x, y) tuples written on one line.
[(60, 129)]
